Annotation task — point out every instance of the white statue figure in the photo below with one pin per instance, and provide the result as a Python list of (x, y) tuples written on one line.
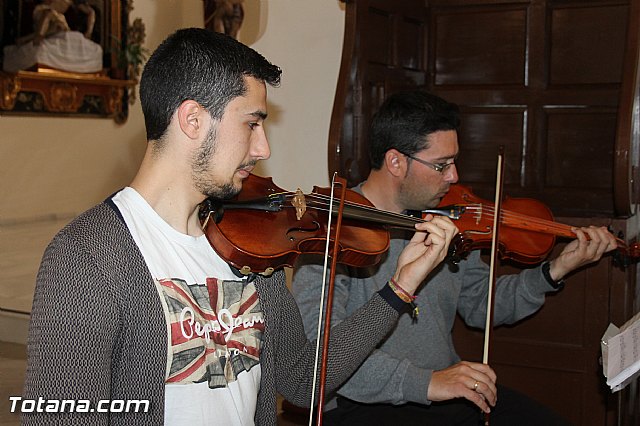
[(54, 44)]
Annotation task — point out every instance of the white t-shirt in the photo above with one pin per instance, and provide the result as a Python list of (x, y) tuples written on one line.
[(214, 322)]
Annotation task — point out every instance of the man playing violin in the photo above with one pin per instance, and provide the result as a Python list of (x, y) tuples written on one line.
[(132, 303), (415, 377)]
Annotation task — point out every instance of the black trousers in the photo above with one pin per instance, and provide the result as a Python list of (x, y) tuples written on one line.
[(512, 409)]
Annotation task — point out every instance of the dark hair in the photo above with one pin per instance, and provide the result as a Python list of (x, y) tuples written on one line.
[(200, 65), (404, 121)]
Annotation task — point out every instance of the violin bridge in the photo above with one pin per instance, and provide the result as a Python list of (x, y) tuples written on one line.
[(204, 223), (299, 202)]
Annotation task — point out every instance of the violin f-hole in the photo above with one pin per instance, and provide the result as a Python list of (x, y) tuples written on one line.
[(291, 231), (478, 232)]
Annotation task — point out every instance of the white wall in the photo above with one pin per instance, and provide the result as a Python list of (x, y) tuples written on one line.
[(51, 169), (304, 38)]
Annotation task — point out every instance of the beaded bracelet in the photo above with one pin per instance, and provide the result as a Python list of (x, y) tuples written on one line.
[(401, 292), (405, 297)]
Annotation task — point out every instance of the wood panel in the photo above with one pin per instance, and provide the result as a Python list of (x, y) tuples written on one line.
[(586, 43), (477, 157), (384, 51), (543, 78), (548, 59), (480, 46), (540, 77), (554, 355), (574, 136)]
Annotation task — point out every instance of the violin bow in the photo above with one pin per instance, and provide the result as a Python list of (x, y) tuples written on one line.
[(493, 267), (329, 302)]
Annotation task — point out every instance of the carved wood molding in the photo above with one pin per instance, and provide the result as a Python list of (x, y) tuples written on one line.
[(347, 85), (63, 93), (626, 183)]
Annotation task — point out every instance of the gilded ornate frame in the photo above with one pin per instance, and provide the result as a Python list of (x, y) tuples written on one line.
[(44, 91)]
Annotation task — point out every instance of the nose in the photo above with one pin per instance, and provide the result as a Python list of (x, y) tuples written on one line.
[(451, 174), (260, 145)]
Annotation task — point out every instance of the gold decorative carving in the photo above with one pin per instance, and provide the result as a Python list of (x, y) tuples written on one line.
[(10, 89), (64, 92), (114, 100), (45, 91), (63, 97)]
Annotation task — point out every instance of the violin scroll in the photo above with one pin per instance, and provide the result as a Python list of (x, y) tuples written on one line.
[(626, 255), (459, 248)]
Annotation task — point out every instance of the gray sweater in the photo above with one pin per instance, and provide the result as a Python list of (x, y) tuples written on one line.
[(98, 331), (400, 369)]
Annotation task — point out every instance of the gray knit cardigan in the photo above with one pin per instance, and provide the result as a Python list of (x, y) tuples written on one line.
[(98, 331)]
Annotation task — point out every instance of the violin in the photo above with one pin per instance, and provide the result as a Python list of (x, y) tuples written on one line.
[(527, 229), (265, 228)]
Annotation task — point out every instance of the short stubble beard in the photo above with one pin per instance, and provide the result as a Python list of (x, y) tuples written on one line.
[(200, 168)]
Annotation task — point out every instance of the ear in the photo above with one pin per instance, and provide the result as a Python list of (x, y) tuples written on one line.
[(191, 117), (395, 163)]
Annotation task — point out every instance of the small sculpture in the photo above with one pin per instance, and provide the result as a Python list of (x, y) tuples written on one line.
[(49, 19), (53, 43), (84, 7), (227, 17)]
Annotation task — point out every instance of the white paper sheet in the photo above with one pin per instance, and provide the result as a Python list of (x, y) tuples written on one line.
[(621, 353)]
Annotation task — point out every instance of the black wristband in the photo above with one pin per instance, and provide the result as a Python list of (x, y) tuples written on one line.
[(392, 299), (397, 303), (557, 285)]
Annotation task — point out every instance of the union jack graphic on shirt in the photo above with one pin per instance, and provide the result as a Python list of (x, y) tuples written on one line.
[(215, 330)]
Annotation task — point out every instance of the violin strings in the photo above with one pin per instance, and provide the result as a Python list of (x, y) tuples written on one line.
[(561, 229), (509, 218), (552, 227), (319, 202), (362, 207), (512, 218), (488, 211)]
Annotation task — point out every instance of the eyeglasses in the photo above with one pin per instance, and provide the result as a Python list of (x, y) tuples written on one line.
[(438, 167)]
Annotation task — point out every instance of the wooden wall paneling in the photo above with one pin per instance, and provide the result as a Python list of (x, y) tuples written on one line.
[(527, 78), (538, 56), (586, 43), (553, 356), (346, 101), (483, 130), (577, 172), (384, 51), (584, 56), (479, 46), (624, 302), (478, 59)]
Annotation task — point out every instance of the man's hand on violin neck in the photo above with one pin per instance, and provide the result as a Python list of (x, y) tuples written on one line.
[(426, 249), (470, 380), (590, 244)]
